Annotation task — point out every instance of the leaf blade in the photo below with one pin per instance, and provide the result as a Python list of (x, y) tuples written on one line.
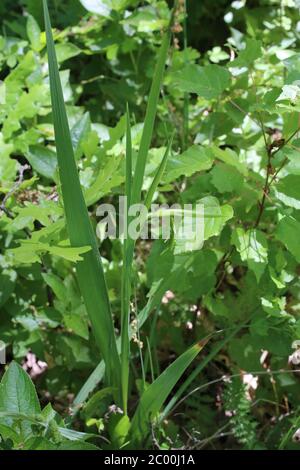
[(18, 396), (89, 271), (155, 395)]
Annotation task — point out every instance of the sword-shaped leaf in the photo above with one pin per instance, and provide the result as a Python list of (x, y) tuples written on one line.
[(89, 271), (155, 395)]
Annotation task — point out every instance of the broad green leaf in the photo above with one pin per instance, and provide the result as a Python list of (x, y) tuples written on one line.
[(290, 185), (217, 55), (75, 351), (66, 51), (97, 401), (287, 231), (287, 200), (100, 7), (287, 189), (253, 249), (107, 179), (56, 284), (18, 395), (118, 428), (292, 63), (186, 227), (24, 255), (31, 252), (249, 54), (155, 395), (79, 132), (8, 167), (33, 33), (77, 323), (193, 226), (226, 178), (290, 93), (72, 435), (194, 159), (69, 253), (26, 66), (8, 433), (215, 216), (292, 154), (207, 82), (109, 176), (44, 213), (230, 157), (43, 161), (145, 20), (244, 353), (39, 443), (48, 317)]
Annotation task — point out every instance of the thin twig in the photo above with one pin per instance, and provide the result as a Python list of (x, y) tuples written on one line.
[(15, 187), (220, 379), (268, 180)]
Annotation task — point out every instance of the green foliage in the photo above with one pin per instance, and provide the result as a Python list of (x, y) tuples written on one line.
[(89, 270), (207, 115), (24, 425), (154, 396), (208, 82), (238, 406)]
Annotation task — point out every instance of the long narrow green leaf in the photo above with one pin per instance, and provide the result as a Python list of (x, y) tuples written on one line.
[(158, 175), (128, 180), (90, 385), (218, 347), (186, 95), (133, 197), (126, 276), (89, 271), (156, 394), (150, 117), (135, 194), (154, 300)]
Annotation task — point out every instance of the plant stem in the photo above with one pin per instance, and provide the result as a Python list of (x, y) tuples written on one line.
[(266, 189), (186, 95), (126, 275)]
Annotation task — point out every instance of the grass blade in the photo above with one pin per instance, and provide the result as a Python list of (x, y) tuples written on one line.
[(89, 386), (126, 275), (155, 395), (186, 95), (154, 300), (89, 271), (150, 117), (135, 195), (206, 360), (219, 346), (128, 180), (158, 175)]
